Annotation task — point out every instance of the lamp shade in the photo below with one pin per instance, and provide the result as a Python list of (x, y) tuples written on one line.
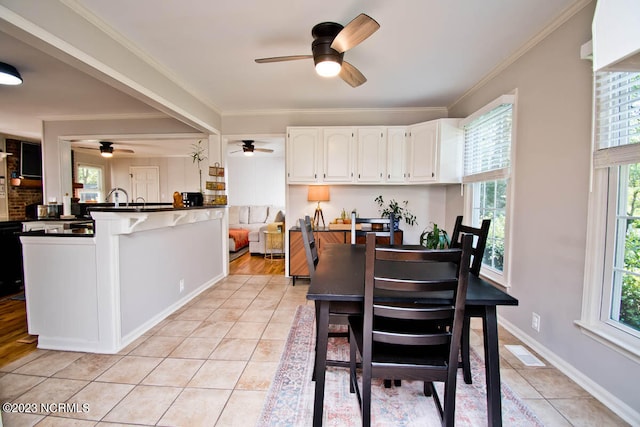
[(318, 193)]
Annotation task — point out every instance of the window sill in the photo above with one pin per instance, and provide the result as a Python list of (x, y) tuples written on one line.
[(612, 338)]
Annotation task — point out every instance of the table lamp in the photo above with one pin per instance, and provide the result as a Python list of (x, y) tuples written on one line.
[(318, 193)]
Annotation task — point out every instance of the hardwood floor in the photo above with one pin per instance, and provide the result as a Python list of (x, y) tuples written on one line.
[(256, 264), (13, 314), (13, 327)]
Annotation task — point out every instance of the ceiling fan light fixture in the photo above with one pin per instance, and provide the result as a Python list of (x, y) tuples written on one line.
[(328, 68), (9, 75), (106, 150), (248, 153)]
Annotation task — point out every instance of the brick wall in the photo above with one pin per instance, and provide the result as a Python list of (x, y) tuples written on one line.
[(19, 197)]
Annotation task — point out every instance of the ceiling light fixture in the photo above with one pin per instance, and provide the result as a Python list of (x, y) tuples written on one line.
[(9, 75), (106, 150), (328, 68), (248, 149), (4, 155)]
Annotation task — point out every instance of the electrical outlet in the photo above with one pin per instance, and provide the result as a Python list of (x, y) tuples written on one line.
[(181, 285), (535, 321)]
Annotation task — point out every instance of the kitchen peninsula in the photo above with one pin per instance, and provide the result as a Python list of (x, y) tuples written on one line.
[(99, 292)]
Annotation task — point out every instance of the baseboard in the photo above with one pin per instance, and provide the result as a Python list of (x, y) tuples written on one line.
[(620, 408)]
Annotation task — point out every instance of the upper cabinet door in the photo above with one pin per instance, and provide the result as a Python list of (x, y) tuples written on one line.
[(422, 153), (302, 155), (371, 146), (338, 154), (396, 147)]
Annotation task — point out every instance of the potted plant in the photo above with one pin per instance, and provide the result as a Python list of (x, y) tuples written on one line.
[(434, 238), (197, 155), (400, 211)]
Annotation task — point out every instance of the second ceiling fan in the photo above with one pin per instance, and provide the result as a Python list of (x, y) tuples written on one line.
[(248, 148), (330, 41)]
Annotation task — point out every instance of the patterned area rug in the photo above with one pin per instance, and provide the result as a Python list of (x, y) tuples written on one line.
[(290, 398)]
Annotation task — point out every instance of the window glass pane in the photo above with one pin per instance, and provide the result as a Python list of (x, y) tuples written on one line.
[(625, 296), (489, 202), (91, 178)]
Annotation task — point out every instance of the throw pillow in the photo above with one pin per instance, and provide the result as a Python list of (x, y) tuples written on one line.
[(257, 214), (279, 217), (244, 215)]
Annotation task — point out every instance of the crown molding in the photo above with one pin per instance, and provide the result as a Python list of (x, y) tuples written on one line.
[(119, 116), (133, 48), (564, 16), (310, 111)]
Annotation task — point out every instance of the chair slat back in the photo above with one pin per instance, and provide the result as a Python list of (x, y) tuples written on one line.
[(479, 241), (309, 243), (387, 230), (414, 274)]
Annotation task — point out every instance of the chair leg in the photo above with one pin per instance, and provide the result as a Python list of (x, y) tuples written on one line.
[(387, 383), (464, 349), (449, 413), (366, 396), (397, 383), (352, 364)]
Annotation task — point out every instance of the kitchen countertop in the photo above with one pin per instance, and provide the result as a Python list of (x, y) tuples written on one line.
[(149, 208)]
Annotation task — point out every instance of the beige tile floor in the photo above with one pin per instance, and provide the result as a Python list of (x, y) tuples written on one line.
[(211, 363)]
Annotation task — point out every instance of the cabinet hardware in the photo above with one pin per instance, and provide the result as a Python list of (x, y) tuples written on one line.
[(389, 176), (433, 174), (324, 175), (380, 174)]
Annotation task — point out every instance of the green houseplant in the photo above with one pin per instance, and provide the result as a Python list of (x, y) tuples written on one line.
[(197, 155), (434, 238), (400, 211)]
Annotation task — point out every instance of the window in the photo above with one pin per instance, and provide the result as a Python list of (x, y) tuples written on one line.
[(488, 136), (92, 178), (611, 303)]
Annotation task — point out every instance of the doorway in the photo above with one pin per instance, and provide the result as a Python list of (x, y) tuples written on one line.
[(145, 183)]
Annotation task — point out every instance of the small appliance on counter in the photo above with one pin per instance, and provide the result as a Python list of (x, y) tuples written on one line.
[(192, 199), (49, 211)]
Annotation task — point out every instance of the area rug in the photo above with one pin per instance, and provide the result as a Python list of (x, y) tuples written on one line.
[(290, 398), (235, 255)]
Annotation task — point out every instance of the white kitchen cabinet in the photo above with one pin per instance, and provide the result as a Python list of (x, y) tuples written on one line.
[(396, 147), (370, 154), (424, 153), (434, 152), (303, 154), (338, 154)]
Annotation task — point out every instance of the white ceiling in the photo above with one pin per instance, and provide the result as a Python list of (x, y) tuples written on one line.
[(427, 53)]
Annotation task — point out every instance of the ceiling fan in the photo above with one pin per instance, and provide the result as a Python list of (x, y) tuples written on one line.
[(330, 41), (106, 149), (248, 148)]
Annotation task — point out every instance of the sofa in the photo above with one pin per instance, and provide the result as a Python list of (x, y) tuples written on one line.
[(254, 219)]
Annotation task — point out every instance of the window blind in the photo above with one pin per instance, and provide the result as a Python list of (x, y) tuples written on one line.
[(487, 144), (617, 109)]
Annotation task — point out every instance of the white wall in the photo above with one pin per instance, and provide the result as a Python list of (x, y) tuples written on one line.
[(427, 203), (257, 180), (551, 178), (176, 174)]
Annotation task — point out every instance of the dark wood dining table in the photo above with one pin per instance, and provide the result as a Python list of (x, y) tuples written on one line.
[(339, 278)]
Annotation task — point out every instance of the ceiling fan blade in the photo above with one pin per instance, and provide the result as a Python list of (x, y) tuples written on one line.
[(351, 75), (124, 150), (355, 32), (282, 58), (264, 150)]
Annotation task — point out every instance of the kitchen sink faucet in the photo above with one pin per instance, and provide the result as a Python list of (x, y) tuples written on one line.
[(115, 190)]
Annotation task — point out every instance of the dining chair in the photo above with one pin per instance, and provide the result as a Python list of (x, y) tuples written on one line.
[(338, 311), (477, 253), (385, 226), (400, 338)]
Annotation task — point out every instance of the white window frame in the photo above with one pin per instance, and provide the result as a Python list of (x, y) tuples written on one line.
[(503, 278), (594, 320), (96, 166)]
